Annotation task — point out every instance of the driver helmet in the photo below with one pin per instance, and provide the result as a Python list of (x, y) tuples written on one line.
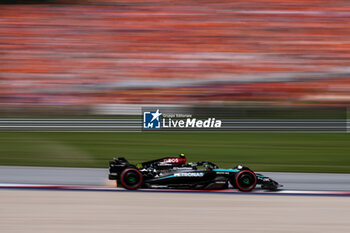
[(182, 155)]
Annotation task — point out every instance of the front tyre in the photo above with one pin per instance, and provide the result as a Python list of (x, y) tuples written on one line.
[(131, 178), (245, 180)]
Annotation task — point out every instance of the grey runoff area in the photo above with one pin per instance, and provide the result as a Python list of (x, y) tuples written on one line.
[(98, 177)]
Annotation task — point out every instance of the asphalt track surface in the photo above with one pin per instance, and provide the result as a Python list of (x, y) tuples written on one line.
[(19, 124), (97, 177)]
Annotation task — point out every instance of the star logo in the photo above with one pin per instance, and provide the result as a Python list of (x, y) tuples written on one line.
[(151, 120), (156, 115)]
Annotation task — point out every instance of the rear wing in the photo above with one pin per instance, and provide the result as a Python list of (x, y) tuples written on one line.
[(116, 167)]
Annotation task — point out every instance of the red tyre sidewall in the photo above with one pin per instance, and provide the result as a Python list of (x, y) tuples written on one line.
[(243, 189), (122, 178)]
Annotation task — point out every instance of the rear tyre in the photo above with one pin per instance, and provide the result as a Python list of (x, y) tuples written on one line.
[(245, 180), (131, 178)]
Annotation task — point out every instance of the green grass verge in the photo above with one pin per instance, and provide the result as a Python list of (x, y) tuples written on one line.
[(302, 152)]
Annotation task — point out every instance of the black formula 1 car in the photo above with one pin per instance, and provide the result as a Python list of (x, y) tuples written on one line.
[(174, 172)]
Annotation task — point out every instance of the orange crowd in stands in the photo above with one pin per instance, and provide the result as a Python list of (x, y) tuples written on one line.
[(188, 52)]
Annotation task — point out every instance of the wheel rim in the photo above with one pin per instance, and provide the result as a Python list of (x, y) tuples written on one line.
[(246, 180), (131, 178)]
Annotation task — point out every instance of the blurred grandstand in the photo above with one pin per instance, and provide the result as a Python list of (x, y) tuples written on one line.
[(190, 52)]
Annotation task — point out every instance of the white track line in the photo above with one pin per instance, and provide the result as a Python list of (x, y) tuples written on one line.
[(91, 188)]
